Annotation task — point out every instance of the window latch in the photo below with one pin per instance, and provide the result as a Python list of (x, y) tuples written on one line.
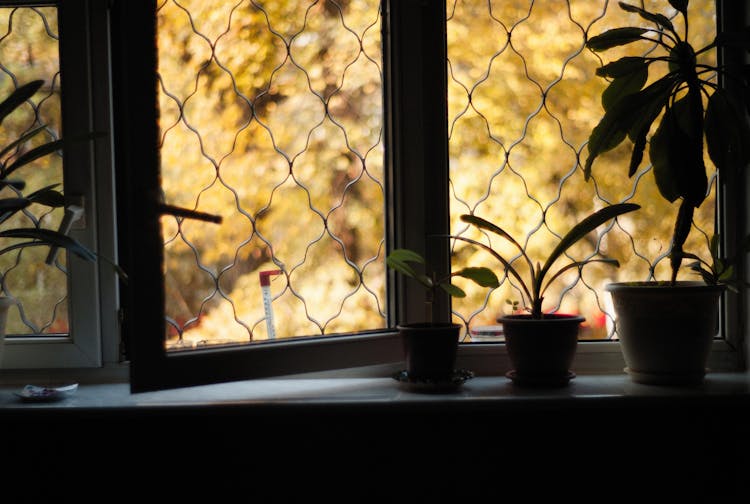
[(188, 214), (73, 213)]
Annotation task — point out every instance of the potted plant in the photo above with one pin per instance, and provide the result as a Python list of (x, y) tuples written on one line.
[(12, 158), (430, 346), (666, 327), (541, 346)]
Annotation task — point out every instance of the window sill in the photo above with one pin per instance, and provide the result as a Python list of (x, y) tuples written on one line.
[(327, 390)]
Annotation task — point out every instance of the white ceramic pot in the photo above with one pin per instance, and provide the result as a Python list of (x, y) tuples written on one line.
[(666, 331)]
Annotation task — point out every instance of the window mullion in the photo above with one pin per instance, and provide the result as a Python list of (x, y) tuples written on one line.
[(417, 147)]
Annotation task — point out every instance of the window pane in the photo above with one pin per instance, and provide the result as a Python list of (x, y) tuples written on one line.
[(271, 116), (29, 51), (523, 98)]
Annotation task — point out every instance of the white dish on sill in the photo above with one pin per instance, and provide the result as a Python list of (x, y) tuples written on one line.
[(36, 393)]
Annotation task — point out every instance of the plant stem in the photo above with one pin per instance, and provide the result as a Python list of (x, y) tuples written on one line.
[(681, 230)]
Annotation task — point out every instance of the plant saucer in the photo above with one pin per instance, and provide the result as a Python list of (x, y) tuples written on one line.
[(448, 384)]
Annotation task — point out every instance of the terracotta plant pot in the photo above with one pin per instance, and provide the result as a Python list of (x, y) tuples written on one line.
[(541, 350), (666, 331), (430, 350)]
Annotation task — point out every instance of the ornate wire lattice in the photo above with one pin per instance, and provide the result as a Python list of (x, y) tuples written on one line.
[(523, 98), (29, 50), (271, 116)]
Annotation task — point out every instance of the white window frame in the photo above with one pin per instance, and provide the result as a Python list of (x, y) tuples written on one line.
[(93, 339)]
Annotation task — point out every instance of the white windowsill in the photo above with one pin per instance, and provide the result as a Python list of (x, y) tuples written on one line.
[(302, 390)]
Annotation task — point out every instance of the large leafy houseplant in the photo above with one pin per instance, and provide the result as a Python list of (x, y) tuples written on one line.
[(687, 105), (541, 346), (666, 329), (15, 156)]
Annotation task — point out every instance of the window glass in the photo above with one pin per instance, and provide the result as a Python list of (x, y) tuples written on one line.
[(29, 50), (271, 117), (523, 98)]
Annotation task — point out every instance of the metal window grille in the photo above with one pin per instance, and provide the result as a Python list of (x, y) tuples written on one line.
[(29, 50), (523, 98), (271, 116)]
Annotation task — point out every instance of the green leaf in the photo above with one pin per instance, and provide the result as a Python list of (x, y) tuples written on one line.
[(606, 135), (615, 37), (665, 171), (727, 274), (48, 148), (632, 113), (16, 184), (47, 196), (406, 255), (453, 290), (483, 277), (34, 154), (424, 280), (489, 226), (583, 228), (400, 266), (508, 266), (680, 5), (623, 86), (727, 131), (623, 66), (17, 97), (13, 203), (651, 102), (636, 157), (49, 237), (579, 264), (659, 19), (21, 139), (676, 152)]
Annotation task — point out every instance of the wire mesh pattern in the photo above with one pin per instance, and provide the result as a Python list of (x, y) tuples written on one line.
[(271, 116), (29, 50), (523, 98)]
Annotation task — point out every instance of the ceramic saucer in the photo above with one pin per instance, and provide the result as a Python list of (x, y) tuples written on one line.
[(448, 384)]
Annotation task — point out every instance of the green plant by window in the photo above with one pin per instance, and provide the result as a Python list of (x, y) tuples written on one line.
[(721, 269), (409, 263), (676, 147), (534, 287), (12, 158)]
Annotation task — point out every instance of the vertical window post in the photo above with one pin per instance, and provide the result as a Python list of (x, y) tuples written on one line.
[(417, 145)]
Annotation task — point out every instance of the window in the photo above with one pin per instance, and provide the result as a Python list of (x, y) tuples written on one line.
[(63, 309), (416, 148), (419, 128), (522, 103)]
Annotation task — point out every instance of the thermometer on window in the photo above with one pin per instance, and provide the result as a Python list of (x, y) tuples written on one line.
[(265, 287)]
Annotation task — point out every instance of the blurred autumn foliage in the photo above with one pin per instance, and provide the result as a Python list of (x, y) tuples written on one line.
[(271, 116), (29, 50)]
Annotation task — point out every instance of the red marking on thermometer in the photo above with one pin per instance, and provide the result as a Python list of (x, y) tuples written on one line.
[(265, 287)]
